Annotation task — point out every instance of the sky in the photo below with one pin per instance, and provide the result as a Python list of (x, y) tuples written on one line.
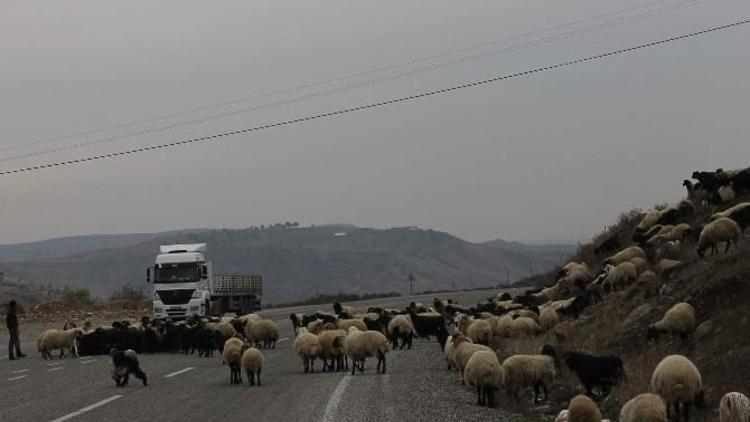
[(551, 157)]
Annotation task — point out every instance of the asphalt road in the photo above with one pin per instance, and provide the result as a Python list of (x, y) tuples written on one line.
[(417, 386)]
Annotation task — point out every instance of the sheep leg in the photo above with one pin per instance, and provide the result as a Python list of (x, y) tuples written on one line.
[(258, 375), (141, 375), (480, 398), (490, 396), (252, 378)]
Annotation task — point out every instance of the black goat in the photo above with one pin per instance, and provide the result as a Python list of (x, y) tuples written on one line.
[(593, 371), (427, 326)]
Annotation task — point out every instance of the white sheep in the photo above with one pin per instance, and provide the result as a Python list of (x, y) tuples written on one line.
[(524, 327), (448, 352), (734, 407), (344, 324), (359, 345), (720, 230), (740, 213), (645, 407), (616, 276), (679, 383), (332, 348), (65, 340), (502, 326), (463, 349), (648, 220), (640, 264), (678, 320), (483, 371), (583, 409), (232, 355), (307, 346), (575, 274), (549, 318), (252, 363), (225, 328), (400, 326), (262, 331), (480, 331), (536, 371), (626, 255)]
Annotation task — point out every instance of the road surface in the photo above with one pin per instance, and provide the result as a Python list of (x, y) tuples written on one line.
[(416, 387)]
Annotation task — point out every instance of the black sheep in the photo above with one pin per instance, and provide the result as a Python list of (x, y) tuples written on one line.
[(596, 371), (427, 326)]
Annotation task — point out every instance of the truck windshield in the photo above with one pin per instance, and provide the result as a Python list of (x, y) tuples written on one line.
[(176, 273)]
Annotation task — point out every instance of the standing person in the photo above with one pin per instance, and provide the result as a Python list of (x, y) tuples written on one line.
[(11, 321)]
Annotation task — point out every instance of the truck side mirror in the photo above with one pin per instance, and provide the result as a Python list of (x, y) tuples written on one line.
[(148, 275), (204, 271)]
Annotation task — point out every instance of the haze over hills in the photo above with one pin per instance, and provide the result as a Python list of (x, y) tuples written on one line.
[(296, 262)]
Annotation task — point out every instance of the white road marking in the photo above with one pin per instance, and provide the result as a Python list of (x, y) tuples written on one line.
[(390, 412), (282, 339), (55, 363), (86, 409), (20, 371), (181, 371), (17, 378), (333, 402), (56, 368)]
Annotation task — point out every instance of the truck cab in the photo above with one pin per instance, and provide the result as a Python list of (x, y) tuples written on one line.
[(180, 275)]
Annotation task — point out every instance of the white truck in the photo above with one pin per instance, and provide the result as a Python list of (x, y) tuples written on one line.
[(185, 285)]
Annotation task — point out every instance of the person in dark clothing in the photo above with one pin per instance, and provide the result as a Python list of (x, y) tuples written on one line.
[(11, 321)]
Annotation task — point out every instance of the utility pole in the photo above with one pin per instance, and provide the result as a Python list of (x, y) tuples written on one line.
[(531, 273), (411, 284)]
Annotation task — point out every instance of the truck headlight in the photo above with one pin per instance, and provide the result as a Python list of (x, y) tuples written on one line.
[(196, 294)]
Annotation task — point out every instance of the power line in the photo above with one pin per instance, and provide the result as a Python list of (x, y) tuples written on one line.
[(458, 61), (374, 105)]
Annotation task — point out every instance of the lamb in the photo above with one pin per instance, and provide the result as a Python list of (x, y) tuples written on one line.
[(524, 327), (332, 347), (645, 407), (583, 409), (399, 327), (252, 363), (449, 346), (480, 331), (549, 318), (263, 331), (463, 349), (740, 213), (734, 407), (626, 255), (484, 372), (58, 339), (678, 320), (679, 383), (307, 346), (593, 371), (720, 230), (529, 370), (123, 363), (359, 345), (232, 354)]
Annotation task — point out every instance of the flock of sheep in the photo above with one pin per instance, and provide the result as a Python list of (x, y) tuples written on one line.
[(472, 339)]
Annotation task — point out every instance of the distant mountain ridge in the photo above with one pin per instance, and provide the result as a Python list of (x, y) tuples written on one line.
[(296, 262)]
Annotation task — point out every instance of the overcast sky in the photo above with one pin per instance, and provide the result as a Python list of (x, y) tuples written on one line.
[(550, 157)]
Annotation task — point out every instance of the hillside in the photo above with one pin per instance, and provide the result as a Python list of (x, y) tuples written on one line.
[(298, 262), (717, 286), (66, 246)]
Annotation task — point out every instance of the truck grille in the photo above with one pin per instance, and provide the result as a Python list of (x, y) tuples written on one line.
[(175, 297)]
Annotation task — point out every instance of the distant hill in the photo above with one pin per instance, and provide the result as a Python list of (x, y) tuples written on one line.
[(67, 246), (300, 262)]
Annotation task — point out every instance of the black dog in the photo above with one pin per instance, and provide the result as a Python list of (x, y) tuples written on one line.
[(123, 363)]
